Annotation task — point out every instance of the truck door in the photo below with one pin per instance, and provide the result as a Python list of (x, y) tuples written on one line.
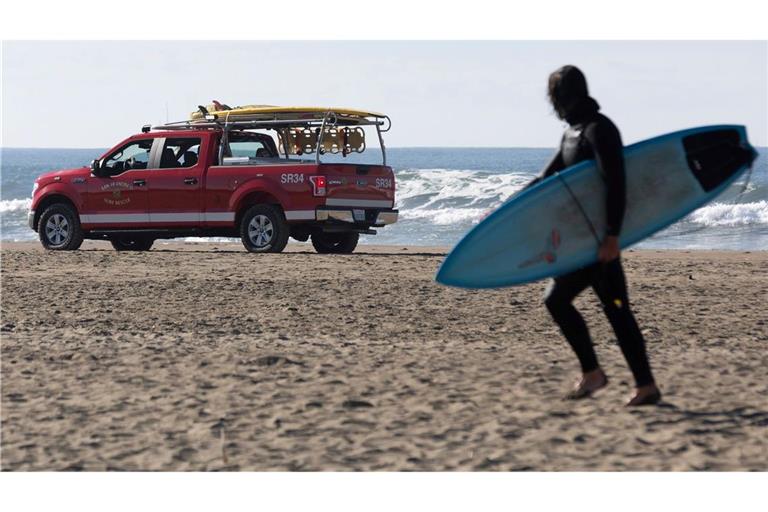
[(118, 197), (175, 187)]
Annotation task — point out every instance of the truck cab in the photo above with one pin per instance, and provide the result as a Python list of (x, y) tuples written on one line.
[(257, 175)]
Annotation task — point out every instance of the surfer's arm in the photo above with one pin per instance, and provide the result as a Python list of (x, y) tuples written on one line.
[(609, 156), (555, 164)]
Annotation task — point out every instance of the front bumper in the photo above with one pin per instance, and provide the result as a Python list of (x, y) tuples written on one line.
[(376, 218), (31, 219)]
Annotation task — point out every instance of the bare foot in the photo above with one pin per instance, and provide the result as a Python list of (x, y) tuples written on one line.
[(589, 383), (645, 395)]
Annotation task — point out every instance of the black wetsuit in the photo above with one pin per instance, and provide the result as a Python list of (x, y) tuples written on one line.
[(591, 135)]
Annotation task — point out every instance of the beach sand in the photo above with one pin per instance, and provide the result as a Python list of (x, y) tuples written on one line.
[(205, 357)]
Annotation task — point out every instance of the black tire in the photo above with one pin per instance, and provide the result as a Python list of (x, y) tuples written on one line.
[(132, 244), (263, 228), (59, 228), (335, 243)]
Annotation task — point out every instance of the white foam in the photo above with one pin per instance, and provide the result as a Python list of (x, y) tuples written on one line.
[(446, 196), (15, 205), (446, 216), (720, 214), (477, 186)]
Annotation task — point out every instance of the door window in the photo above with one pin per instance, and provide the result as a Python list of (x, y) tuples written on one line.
[(180, 153), (131, 156)]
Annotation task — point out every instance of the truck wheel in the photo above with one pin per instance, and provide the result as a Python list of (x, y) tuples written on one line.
[(263, 229), (132, 244), (335, 243), (59, 228)]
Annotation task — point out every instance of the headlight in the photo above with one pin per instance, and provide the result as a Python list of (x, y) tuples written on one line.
[(34, 187)]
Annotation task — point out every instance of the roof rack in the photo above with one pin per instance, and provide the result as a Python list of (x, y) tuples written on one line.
[(268, 123), (214, 121)]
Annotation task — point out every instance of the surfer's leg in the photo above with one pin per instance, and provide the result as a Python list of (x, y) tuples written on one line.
[(558, 298), (610, 286)]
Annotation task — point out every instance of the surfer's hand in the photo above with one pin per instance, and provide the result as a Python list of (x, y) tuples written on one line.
[(609, 249)]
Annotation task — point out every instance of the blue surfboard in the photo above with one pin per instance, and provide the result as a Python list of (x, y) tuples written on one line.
[(553, 227)]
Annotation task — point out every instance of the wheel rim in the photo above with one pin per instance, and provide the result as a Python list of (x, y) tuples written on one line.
[(260, 231), (57, 229)]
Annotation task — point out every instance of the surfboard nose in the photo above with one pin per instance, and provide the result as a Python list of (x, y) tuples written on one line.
[(716, 154)]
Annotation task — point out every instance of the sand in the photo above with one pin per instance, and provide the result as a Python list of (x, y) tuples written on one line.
[(205, 357)]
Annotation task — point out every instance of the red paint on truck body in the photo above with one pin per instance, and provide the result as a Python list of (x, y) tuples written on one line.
[(205, 195)]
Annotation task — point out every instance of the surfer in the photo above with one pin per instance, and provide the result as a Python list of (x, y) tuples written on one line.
[(591, 135)]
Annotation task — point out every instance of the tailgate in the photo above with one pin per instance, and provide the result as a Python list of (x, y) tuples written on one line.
[(360, 186)]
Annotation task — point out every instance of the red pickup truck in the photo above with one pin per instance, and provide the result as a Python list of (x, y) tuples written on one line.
[(233, 175)]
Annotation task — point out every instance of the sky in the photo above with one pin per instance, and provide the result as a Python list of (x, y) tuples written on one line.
[(72, 94)]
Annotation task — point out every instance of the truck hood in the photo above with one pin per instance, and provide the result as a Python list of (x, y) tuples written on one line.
[(64, 173)]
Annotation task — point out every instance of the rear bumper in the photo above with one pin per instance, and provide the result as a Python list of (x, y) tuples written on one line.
[(386, 217), (376, 218)]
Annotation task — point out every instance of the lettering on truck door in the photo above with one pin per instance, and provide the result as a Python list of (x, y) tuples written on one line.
[(119, 196)]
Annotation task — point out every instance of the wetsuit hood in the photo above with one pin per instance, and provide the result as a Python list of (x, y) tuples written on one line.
[(569, 95), (582, 111)]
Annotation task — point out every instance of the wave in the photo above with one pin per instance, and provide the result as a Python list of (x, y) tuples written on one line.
[(721, 214), (15, 205), (446, 216), (445, 196)]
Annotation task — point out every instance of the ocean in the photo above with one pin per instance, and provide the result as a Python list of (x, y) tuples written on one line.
[(442, 192)]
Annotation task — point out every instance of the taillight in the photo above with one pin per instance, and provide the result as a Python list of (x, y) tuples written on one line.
[(318, 185)]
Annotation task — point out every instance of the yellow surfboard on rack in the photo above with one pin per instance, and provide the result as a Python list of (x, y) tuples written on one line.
[(255, 112)]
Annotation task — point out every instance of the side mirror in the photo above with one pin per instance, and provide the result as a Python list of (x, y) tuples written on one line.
[(95, 168)]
